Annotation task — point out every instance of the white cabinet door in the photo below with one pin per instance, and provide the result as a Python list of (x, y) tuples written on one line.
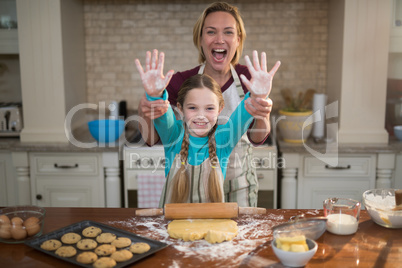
[(66, 192), (315, 191), (67, 180), (8, 195)]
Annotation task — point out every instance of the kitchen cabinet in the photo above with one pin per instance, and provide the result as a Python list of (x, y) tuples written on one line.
[(395, 45), (8, 194), (67, 180), (318, 180), (307, 179)]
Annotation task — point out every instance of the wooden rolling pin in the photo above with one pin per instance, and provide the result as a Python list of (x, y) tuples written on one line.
[(200, 211)]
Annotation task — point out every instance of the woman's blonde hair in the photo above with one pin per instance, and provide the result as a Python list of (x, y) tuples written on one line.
[(181, 181), (241, 31)]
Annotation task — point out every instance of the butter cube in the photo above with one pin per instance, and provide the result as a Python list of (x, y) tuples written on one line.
[(293, 243)]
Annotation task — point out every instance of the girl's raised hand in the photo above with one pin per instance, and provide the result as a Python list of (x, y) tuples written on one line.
[(261, 81), (152, 79)]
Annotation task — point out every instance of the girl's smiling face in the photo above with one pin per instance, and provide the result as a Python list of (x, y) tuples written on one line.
[(200, 109), (219, 40)]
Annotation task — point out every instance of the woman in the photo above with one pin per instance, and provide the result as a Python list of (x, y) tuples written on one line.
[(219, 36)]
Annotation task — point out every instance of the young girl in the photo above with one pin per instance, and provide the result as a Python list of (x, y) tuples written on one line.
[(196, 148)]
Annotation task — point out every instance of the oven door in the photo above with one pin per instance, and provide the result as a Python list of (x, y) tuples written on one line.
[(143, 188)]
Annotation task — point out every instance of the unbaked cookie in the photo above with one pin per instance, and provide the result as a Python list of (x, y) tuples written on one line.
[(106, 238), (121, 242), (51, 244), (87, 257), (66, 251), (91, 231), (105, 250), (139, 248), (87, 244), (105, 262), (121, 255), (70, 238)]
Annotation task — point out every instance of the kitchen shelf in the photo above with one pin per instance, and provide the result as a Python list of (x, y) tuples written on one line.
[(9, 41)]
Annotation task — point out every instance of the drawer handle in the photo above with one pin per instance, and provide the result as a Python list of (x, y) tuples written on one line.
[(337, 167), (65, 166)]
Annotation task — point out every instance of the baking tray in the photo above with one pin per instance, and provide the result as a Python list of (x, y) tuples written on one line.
[(79, 226)]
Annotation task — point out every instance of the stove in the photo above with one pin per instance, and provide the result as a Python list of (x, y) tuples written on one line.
[(10, 119)]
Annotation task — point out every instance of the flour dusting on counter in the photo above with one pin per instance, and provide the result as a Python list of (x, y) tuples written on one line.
[(313, 212), (253, 231)]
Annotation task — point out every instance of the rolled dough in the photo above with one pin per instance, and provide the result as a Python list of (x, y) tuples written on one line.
[(212, 230)]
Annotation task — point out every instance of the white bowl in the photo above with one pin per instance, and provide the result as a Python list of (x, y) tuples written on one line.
[(295, 259), (379, 204)]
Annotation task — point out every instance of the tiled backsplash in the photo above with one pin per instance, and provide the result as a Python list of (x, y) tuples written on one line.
[(118, 31)]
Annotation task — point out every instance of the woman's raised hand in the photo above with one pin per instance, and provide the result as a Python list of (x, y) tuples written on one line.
[(152, 79), (261, 81)]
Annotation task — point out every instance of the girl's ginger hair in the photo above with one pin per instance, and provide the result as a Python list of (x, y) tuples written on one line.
[(181, 181), (241, 31)]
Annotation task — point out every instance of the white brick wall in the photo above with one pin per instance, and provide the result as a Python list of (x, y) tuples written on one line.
[(118, 31)]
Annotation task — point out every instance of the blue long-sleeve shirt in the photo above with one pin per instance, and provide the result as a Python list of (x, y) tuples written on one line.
[(171, 133)]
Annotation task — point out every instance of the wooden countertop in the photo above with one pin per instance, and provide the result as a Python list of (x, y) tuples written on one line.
[(371, 246)]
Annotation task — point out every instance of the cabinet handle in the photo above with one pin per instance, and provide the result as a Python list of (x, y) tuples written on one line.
[(258, 163), (65, 166), (38, 197), (338, 167)]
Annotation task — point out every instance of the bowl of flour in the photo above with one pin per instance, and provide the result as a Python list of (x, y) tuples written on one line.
[(380, 204)]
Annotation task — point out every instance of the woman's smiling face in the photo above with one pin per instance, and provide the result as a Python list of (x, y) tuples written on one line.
[(219, 40), (200, 110)]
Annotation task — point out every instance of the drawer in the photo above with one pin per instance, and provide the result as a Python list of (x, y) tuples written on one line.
[(55, 164), (144, 159), (348, 166), (266, 179)]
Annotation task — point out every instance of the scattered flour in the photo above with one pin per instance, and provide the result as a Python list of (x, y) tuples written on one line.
[(313, 212), (253, 232), (380, 202)]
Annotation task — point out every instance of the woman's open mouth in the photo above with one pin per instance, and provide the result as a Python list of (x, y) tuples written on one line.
[(219, 54)]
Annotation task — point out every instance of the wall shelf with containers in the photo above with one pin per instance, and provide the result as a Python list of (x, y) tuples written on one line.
[(395, 45)]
